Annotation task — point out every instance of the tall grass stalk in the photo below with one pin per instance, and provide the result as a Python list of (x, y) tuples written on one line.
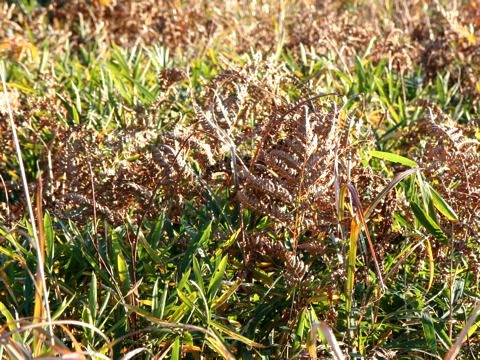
[(43, 293)]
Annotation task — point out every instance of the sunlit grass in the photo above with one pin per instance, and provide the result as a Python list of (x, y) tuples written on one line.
[(207, 198)]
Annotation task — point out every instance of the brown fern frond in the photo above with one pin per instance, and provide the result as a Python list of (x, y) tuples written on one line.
[(276, 189), (82, 200), (265, 209)]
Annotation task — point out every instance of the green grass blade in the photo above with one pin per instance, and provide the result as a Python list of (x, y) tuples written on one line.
[(163, 301), (155, 301), (429, 331), (123, 273), (10, 320), (198, 274), (92, 297), (176, 349), (217, 278), (49, 240), (195, 245), (442, 206), (428, 223), (427, 197), (393, 158)]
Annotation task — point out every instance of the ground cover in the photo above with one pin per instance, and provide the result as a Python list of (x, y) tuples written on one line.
[(240, 180)]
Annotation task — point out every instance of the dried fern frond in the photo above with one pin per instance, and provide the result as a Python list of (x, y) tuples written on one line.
[(295, 167)]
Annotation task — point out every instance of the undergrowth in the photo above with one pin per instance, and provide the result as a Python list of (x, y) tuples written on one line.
[(211, 181)]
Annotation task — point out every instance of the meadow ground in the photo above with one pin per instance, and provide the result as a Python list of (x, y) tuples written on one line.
[(239, 179)]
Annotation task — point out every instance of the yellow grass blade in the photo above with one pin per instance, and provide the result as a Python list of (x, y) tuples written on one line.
[(227, 294), (39, 311), (431, 263), (234, 335), (218, 347)]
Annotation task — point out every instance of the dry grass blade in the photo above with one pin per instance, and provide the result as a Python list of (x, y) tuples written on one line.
[(73, 356), (42, 290), (455, 349), (6, 338), (330, 337), (7, 201), (131, 354), (399, 177)]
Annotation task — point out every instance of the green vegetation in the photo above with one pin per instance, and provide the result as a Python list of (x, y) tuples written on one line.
[(285, 180)]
